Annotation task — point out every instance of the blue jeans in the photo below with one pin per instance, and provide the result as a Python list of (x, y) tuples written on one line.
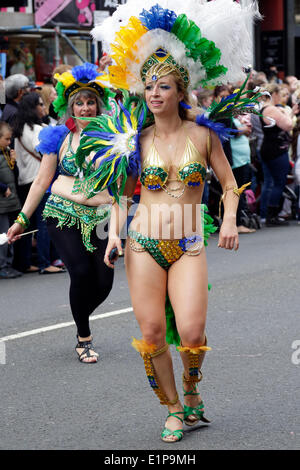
[(266, 190), (279, 169)]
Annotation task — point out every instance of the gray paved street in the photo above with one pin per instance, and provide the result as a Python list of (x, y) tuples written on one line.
[(48, 400)]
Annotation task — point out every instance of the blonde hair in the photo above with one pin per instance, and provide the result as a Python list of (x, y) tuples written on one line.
[(271, 88), (4, 127), (45, 93), (186, 114)]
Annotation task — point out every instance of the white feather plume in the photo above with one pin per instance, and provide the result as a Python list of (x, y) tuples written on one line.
[(120, 142), (225, 22)]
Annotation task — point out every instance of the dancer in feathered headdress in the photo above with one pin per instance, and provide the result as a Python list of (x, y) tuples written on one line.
[(70, 217), (162, 51), (157, 39), (80, 78)]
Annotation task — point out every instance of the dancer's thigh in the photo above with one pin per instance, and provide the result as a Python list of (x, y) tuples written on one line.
[(147, 284), (188, 292)]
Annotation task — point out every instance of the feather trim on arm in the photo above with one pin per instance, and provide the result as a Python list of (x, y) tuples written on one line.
[(51, 138)]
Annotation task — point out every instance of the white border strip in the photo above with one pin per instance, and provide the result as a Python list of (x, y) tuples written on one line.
[(63, 325)]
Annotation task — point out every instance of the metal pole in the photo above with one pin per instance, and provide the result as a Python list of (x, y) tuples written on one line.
[(56, 41), (72, 46)]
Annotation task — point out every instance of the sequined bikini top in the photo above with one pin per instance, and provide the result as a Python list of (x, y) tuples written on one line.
[(67, 165), (191, 170)]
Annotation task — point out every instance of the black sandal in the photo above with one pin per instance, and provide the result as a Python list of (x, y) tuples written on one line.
[(87, 346)]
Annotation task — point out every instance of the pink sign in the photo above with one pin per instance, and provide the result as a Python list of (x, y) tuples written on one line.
[(65, 11), (45, 10)]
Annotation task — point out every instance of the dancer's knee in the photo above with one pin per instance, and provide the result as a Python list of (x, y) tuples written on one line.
[(193, 335), (154, 333)]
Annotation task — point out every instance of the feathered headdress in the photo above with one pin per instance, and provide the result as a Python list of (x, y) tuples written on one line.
[(81, 77), (205, 42)]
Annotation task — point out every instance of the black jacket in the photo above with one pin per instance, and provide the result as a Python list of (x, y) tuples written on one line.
[(9, 112)]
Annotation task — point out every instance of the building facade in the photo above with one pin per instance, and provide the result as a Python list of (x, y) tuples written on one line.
[(57, 31), (277, 37)]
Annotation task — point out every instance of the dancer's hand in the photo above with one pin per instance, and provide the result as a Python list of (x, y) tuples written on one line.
[(228, 236), (111, 256), (13, 232)]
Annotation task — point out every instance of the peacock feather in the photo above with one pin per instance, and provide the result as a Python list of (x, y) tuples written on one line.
[(242, 101), (113, 142)]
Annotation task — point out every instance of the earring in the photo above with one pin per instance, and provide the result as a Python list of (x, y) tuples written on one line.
[(184, 105)]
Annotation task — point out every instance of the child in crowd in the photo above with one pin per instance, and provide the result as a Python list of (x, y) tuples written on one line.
[(9, 201)]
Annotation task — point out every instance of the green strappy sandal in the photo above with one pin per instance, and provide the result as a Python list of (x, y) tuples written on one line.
[(197, 412), (177, 433)]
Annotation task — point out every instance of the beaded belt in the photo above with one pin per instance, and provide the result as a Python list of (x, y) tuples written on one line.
[(71, 213), (165, 252)]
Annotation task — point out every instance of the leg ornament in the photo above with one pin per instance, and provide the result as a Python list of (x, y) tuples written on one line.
[(193, 414), (148, 352), (193, 357)]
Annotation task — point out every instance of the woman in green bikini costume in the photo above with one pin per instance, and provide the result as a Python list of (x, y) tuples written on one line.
[(162, 55), (163, 258), (71, 217)]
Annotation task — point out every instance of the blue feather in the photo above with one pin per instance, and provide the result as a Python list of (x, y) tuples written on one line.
[(223, 132), (50, 138), (141, 120), (127, 115), (158, 17), (85, 73), (100, 153), (184, 105), (99, 135), (118, 125)]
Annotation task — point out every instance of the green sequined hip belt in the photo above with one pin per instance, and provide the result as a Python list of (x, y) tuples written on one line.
[(166, 252), (69, 213)]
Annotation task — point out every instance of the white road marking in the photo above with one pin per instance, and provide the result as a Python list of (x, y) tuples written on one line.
[(45, 329)]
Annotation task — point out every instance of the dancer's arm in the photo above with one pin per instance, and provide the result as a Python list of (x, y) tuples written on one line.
[(117, 220), (37, 190), (228, 236)]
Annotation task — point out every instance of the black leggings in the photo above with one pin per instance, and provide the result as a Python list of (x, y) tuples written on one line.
[(91, 279)]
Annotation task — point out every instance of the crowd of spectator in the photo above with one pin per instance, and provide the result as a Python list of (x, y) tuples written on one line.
[(265, 151), (25, 113)]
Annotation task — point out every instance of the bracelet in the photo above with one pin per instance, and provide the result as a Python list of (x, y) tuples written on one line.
[(23, 220), (237, 191)]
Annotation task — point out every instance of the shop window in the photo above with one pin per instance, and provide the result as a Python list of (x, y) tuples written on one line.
[(34, 55)]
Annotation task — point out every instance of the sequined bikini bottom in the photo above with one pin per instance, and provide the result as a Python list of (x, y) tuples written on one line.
[(166, 252)]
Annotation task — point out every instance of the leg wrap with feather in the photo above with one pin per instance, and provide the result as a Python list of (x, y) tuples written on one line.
[(148, 352), (193, 414), (194, 359)]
